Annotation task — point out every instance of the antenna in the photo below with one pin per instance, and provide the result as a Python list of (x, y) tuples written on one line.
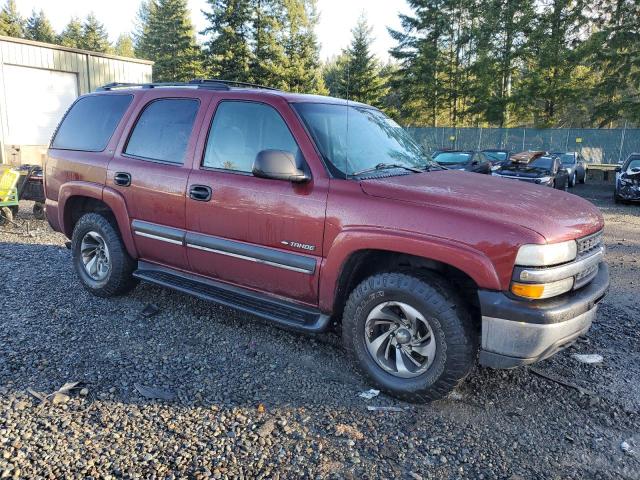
[(348, 87)]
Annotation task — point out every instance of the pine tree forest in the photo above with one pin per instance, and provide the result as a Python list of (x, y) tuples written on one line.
[(490, 63)]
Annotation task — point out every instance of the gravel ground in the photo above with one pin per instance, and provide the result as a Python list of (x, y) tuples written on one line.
[(252, 401)]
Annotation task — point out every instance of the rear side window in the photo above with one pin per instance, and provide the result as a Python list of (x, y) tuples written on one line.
[(163, 130), (90, 122)]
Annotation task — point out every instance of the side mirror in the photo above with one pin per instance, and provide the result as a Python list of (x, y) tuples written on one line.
[(279, 165)]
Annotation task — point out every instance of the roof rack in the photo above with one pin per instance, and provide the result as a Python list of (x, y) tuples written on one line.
[(229, 83), (209, 84)]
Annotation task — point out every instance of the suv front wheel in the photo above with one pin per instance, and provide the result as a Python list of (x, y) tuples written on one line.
[(410, 335), (99, 257)]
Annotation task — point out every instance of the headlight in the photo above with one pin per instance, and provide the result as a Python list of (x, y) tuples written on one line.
[(546, 255), (539, 291), (624, 181), (543, 180)]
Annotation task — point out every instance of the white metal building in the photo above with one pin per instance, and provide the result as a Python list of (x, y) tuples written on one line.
[(38, 82)]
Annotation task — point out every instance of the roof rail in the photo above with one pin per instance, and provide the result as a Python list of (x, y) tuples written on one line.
[(210, 84), (117, 85), (207, 81)]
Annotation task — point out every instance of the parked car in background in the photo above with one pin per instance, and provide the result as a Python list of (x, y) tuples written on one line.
[(628, 180), (541, 168), (575, 165), (466, 160), (497, 157), (440, 150), (248, 197)]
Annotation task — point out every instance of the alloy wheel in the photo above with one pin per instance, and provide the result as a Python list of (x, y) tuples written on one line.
[(400, 339), (95, 256)]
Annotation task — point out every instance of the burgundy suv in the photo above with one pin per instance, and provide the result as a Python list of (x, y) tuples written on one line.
[(311, 212)]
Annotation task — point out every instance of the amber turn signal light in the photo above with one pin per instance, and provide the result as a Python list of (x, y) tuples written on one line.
[(536, 291)]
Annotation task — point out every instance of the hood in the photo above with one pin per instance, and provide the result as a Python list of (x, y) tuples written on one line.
[(554, 214), (524, 171)]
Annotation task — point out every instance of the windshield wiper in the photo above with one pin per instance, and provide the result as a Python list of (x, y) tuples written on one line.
[(433, 166), (386, 166)]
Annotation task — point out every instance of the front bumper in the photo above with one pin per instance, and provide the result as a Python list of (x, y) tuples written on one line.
[(533, 180), (629, 192), (517, 332)]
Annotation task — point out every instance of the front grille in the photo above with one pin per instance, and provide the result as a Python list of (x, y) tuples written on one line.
[(589, 244), (522, 179)]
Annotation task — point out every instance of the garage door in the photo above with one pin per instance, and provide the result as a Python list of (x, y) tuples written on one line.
[(36, 99)]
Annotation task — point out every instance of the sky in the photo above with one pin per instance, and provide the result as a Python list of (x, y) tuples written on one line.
[(337, 18)]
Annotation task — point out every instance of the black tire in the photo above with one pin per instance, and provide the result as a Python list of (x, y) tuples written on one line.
[(450, 321), (119, 279), (38, 211), (573, 181), (583, 180), (14, 210), (6, 215)]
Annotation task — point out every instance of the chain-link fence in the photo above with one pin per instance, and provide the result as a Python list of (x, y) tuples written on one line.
[(596, 145)]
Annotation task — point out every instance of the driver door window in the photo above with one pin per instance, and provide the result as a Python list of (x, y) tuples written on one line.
[(241, 130)]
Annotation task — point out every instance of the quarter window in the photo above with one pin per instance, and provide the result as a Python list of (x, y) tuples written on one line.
[(240, 130), (163, 130), (90, 122)]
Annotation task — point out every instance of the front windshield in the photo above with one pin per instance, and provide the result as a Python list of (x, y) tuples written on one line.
[(367, 140), (542, 162), (567, 158), (496, 156), (634, 163), (452, 157)]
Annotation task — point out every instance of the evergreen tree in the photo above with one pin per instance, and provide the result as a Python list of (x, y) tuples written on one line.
[(124, 46), (421, 61), (268, 57), (167, 37), (500, 46), (334, 73), (11, 22), (362, 81), (39, 28), (391, 102), (227, 50), (94, 36), (615, 51), (265, 41), (555, 54), (71, 36), (302, 70), (141, 37)]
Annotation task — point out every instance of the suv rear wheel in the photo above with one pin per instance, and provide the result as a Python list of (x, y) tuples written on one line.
[(410, 335), (99, 257)]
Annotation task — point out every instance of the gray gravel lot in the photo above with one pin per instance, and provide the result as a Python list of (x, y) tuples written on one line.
[(253, 401)]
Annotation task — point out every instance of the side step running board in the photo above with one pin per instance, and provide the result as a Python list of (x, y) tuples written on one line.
[(286, 314)]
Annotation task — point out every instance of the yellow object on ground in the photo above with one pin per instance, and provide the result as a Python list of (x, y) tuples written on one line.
[(8, 190)]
